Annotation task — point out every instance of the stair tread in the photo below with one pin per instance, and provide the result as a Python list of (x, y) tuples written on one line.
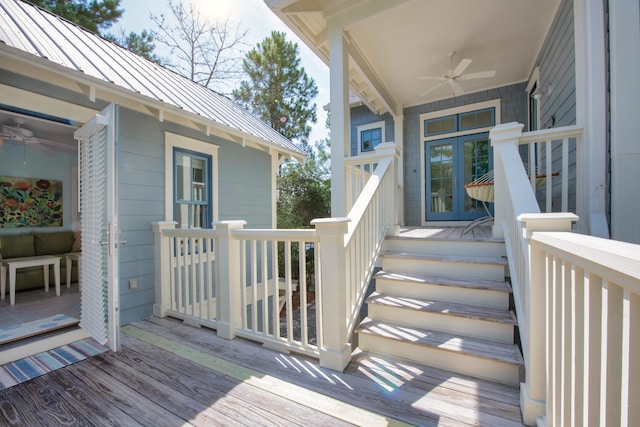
[(505, 353), (443, 307), (419, 278), (447, 258)]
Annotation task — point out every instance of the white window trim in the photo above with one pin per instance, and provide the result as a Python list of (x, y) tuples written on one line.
[(534, 81), (494, 103), (370, 126), (171, 141)]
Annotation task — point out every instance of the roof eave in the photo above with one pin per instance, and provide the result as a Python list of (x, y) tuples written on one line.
[(146, 104)]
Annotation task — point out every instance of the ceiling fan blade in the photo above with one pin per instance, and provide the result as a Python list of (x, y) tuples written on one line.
[(462, 66), (457, 89), (478, 75), (431, 78), (428, 91), (59, 146)]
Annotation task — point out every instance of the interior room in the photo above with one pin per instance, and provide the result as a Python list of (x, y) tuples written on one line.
[(38, 220)]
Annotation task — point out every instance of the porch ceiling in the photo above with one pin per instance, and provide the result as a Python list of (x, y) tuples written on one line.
[(43, 134), (395, 42)]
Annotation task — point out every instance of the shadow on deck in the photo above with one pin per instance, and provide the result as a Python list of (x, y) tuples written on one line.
[(169, 373)]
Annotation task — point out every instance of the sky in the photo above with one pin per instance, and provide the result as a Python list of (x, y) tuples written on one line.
[(253, 15)]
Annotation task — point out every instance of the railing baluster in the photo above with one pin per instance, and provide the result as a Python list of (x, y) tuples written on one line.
[(564, 175), (276, 289), (302, 290), (254, 287), (548, 170)]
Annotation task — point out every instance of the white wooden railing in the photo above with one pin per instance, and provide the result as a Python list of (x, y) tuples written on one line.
[(238, 280), (358, 170), (573, 293), (592, 319)]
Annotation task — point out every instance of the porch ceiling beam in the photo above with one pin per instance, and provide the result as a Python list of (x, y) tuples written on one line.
[(302, 6), (89, 91), (375, 82), (155, 112), (349, 13)]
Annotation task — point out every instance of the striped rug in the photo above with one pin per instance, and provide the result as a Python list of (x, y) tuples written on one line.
[(39, 364)]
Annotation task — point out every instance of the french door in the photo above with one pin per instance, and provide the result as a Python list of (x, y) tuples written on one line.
[(99, 225), (450, 164)]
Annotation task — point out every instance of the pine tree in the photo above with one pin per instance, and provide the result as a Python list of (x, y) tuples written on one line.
[(278, 91), (90, 14)]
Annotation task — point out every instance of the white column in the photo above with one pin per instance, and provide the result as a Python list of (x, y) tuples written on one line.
[(591, 113), (162, 250), (228, 275), (502, 135), (624, 31), (340, 120), (335, 352), (398, 135)]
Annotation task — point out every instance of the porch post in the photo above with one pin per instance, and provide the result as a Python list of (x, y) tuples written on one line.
[(335, 350), (398, 135), (502, 136), (162, 258), (340, 121), (534, 333), (228, 275)]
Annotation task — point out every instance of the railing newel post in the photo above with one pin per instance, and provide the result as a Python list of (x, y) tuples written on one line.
[(162, 249), (335, 353), (533, 392), (229, 317)]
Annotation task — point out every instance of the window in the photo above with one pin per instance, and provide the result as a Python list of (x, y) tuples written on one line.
[(191, 176), (192, 184), (460, 122), (440, 125), (370, 136)]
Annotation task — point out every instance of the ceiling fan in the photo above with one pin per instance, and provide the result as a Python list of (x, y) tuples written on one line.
[(453, 75), (15, 132)]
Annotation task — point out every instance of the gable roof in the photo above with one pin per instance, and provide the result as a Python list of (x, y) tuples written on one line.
[(49, 37)]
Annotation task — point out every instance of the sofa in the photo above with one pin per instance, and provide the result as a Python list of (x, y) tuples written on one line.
[(34, 244)]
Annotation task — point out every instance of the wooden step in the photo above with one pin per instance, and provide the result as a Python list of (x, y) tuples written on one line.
[(488, 247), (482, 267), (487, 293), (444, 316), (469, 356)]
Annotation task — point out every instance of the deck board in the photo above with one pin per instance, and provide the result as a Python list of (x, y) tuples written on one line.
[(242, 383)]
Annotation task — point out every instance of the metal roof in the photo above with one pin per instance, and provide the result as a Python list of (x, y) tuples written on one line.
[(41, 33)]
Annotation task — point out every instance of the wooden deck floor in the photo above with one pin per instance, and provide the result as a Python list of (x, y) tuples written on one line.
[(171, 374)]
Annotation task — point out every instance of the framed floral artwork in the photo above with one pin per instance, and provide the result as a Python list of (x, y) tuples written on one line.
[(30, 202)]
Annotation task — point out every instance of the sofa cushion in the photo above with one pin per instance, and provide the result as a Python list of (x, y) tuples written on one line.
[(53, 243), (18, 245), (77, 242)]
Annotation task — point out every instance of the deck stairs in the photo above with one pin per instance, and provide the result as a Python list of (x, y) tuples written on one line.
[(445, 304)]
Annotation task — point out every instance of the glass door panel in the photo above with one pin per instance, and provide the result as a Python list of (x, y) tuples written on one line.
[(477, 162), (451, 164), (441, 179)]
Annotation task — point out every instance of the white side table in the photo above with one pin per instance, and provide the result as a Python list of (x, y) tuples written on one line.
[(69, 259), (12, 264)]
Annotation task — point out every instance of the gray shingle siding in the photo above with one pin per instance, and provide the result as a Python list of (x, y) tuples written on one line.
[(557, 71)]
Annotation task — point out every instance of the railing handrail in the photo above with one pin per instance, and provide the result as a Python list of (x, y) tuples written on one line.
[(362, 158), (550, 134), (608, 258), (289, 234), (360, 206)]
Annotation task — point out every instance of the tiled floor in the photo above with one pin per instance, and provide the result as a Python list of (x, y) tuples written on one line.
[(37, 304)]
